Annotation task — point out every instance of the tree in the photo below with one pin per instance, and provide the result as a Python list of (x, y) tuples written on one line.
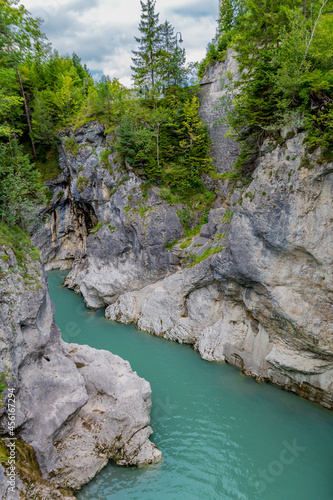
[(42, 124), (20, 186), (19, 32), (284, 76), (10, 102), (146, 60)]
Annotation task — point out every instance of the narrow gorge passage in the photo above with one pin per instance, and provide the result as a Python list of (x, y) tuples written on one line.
[(223, 435)]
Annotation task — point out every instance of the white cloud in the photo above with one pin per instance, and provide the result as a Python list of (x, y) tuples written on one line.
[(102, 32)]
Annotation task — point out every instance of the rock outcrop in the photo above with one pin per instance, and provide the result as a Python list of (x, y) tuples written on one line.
[(104, 225), (254, 288), (66, 397), (265, 302)]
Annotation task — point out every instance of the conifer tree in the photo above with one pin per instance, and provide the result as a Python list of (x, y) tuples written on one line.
[(172, 58), (146, 58), (168, 42)]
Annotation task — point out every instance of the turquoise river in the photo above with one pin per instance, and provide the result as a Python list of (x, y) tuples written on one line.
[(223, 435)]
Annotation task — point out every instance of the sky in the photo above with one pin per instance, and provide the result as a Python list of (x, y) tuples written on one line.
[(101, 32)]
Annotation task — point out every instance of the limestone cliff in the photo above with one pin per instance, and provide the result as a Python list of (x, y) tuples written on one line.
[(265, 302), (254, 288), (103, 225), (67, 397)]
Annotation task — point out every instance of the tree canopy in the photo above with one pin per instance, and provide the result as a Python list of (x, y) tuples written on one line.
[(158, 61), (284, 51)]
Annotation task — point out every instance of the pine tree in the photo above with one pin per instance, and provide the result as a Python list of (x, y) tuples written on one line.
[(146, 60), (172, 58), (168, 42)]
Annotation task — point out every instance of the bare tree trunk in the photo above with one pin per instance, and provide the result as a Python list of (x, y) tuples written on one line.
[(324, 2), (304, 8), (27, 114)]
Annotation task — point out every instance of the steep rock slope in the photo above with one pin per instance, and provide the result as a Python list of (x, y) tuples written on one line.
[(254, 288), (67, 397), (224, 150), (265, 302), (103, 225)]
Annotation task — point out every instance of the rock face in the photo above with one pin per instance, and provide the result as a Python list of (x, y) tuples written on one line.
[(66, 393), (265, 302), (126, 250), (259, 291), (224, 150)]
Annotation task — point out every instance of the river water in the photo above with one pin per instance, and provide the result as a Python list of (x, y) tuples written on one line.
[(223, 435)]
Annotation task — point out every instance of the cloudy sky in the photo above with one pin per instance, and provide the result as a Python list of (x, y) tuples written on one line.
[(102, 32)]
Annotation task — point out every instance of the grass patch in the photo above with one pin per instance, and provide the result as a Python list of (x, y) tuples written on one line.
[(227, 217), (3, 386), (82, 183), (49, 165), (19, 242), (193, 232), (196, 259), (71, 146), (105, 158), (170, 244), (96, 228), (186, 243)]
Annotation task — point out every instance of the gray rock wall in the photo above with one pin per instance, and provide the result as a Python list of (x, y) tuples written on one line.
[(264, 302), (67, 397), (224, 150), (127, 251), (262, 298)]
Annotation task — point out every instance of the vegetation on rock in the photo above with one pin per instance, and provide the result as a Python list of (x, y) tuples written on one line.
[(284, 52)]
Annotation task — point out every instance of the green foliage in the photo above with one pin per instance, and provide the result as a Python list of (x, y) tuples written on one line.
[(186, 243), (185, 216), (205, 217), (82, 183), (104, 158), (145, 60), (72, 147), (167, 143), (196, 259), (160, 137), (194, 231), (20, 186), (227, 217), (95, 229), (58, 86), (159, 62), (170, 244), (3, 385), (126, 140), (230, 14), (48, 164), (286, 78), (19, 242), (42, 124)]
